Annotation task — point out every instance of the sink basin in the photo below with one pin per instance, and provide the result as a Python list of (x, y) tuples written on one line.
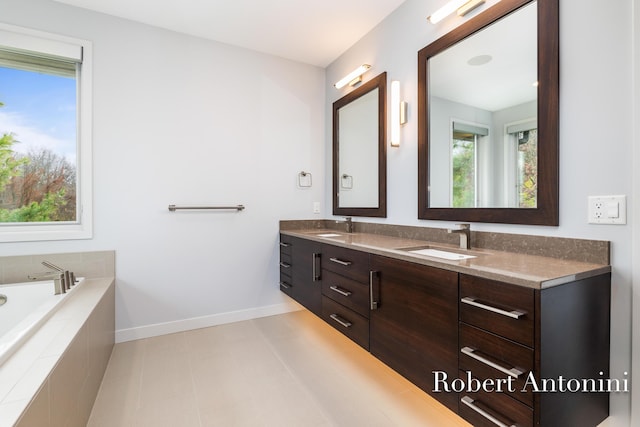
[(437, 252), (328, 235)]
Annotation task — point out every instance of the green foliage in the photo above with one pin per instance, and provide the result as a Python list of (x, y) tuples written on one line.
[(9, 165), (45, 211), (463, 174), (43, 177), (528, 185)]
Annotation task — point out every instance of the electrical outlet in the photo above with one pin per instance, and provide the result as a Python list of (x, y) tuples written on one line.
[(607, 209), (316, 207)]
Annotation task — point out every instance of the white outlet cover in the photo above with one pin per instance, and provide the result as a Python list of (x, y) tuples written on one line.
[(607, 209)]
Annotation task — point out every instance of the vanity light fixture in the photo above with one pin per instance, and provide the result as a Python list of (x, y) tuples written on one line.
[(462, 6), (469, 6), (398, 113), (353, 77)]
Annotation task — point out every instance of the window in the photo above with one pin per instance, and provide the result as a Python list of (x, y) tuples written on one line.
[(45, 131), (464, 164), (523, 139)]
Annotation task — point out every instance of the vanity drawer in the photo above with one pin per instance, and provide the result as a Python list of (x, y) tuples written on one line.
[(285, 259), (347, 262), (348, 292), (501, 308), (488, 356), (347, 321), (286, 265), (478, 409), (285, 245), (286, 284)]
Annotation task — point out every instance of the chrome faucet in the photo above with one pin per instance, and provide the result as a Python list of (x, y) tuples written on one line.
[(62, 279), (464, 231), (349, 224)]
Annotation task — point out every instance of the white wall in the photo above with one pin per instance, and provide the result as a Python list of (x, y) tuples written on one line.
[(596, 132), (181, 120)]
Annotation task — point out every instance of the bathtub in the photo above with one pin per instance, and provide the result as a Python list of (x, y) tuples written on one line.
[(26, 307)]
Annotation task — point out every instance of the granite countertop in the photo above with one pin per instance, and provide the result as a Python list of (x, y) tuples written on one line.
[(531, 271)]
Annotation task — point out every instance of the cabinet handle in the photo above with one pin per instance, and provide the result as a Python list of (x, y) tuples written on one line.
[(514, 314), (343, 322), (285, 285), (513, 372), (314, 269), (285, 245), (337, 289), (284, 264), (469, 402), (339, 261), (373, 305)]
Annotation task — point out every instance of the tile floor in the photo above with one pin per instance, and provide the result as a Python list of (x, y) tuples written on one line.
[(285, 370)]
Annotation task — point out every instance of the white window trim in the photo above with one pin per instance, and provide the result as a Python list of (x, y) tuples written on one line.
[(82, 229)]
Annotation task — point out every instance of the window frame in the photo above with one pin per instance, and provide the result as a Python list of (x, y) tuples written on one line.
[(38, 41)]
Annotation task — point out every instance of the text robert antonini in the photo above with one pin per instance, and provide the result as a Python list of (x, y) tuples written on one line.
[(542, 385)]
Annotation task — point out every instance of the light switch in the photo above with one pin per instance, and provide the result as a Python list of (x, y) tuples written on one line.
[(613, 210)]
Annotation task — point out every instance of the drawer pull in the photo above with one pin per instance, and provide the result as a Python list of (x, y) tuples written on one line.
[(513, 372), (284, 264), (343, 322), (314, 269), (340, 291), (339, 261), (469, 402), (514, 314), (285, 245), (373, 305), (285, 285)]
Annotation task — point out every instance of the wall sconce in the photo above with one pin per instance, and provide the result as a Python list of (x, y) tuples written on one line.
[(353, 77), (462, 6), (398, 113)]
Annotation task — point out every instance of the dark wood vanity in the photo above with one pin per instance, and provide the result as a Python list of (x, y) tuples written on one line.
[(435, 325)]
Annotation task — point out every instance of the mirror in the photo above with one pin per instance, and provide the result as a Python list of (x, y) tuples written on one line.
[(359, 151), (488, 118)]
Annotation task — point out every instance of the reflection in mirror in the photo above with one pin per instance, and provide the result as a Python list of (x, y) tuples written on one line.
[(359, 151), (488, 118), (479, 89)]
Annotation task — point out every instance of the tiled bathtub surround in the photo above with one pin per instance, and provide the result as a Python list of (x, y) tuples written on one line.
[(14, 269), (52, 380), (582, 250)]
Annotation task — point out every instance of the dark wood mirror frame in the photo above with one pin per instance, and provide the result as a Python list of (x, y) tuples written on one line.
[(547, 210), (379, 82)]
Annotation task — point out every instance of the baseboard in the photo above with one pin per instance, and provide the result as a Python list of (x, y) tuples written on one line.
[(157, 329)]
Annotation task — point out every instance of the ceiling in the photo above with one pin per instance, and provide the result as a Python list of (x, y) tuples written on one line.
[(315, 32), (511, 48)]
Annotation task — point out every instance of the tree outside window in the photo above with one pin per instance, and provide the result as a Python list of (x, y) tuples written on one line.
[(38, 148)]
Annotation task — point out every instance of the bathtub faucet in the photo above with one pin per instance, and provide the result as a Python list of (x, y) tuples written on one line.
[(62, 279), (59, 281)]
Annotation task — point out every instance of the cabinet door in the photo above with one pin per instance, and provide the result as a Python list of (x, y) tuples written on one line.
[(414, 327), (306, 274)]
